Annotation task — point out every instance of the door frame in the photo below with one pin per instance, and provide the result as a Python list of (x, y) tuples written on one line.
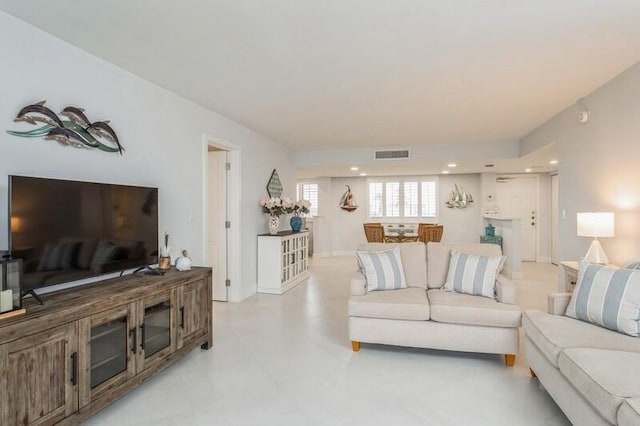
[(535, 176), (234, 246), (555, 214)]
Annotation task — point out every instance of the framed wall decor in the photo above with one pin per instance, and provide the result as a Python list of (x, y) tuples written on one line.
[(274, 186)]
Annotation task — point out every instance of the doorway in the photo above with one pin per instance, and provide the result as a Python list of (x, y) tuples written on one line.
[(517, 197), (221, 244)]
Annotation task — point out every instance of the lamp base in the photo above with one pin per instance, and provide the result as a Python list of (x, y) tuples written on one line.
[(596, 254)]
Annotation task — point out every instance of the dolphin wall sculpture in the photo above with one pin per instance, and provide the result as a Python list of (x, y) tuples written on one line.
[(76, 130)]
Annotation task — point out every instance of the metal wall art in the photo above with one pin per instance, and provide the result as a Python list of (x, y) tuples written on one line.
[(347, 201), (274, 186), (74, 129), (459, 199)]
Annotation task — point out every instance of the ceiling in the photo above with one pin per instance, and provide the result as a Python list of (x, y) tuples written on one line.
[(337, 73)]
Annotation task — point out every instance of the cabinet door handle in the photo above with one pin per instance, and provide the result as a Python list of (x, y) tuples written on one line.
[(134, 336), (142, 338), (74, 368), (182, 317)]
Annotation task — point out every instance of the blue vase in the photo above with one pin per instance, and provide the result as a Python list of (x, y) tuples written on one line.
[(296, 223)]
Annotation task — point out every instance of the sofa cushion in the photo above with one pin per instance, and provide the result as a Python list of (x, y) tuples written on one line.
[(474, 275), (602, 377), (553, 333), (458, 308), (438, 255), (629, 412), (607, 297), (404, 304), (414, 260), (383, 270)]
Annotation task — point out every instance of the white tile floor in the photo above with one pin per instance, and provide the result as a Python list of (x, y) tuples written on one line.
[(287, 360)]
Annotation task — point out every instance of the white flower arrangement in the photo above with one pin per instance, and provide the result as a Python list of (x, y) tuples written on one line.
[(278, 206)]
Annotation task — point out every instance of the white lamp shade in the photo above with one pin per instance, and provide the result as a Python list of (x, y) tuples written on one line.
[(596, 224)]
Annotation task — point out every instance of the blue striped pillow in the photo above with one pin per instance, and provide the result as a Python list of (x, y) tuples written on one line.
[(471, 274), (607, 297), (382, 270)]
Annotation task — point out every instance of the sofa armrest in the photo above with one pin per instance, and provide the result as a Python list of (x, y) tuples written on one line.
[(358, 284), (558, 303), (505, 290)]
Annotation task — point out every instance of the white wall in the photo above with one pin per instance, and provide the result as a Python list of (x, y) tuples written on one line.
[(460, 225), (598, 165), (162, 134), (347, 232)]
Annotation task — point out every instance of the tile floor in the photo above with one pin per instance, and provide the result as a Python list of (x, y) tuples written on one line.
[(286, 360)]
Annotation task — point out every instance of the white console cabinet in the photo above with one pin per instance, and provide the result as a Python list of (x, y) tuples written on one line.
[(283, 261)]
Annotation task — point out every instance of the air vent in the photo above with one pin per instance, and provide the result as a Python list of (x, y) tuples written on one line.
[(503, 179), (392, 154)]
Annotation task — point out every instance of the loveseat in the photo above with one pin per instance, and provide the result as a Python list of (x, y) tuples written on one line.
[(424, 315), (591, 372)]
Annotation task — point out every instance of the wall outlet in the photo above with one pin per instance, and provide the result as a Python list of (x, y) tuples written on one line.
[(563, 214)]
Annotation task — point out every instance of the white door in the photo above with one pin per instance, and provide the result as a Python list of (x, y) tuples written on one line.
[(217, 238), (517, 198), (555, 219)]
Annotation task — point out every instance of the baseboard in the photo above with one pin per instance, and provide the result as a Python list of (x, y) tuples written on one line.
[(544, 259)]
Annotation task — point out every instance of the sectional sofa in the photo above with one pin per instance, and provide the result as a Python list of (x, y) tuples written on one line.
[(591, 372)]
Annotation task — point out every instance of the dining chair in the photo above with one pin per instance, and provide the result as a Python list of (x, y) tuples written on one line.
[(430, 232), (374, 232)]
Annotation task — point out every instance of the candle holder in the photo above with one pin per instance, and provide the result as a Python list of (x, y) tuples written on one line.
[(10, 288)]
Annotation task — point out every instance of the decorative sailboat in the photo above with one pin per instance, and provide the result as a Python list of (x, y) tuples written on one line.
[(347, 202), (459, 199)]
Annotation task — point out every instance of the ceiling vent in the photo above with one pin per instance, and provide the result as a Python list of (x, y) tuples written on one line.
[(503, 179), (397, 154)]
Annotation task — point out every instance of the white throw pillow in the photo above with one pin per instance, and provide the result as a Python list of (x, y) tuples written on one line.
[(607, 297), (471, 274), (383, 270)]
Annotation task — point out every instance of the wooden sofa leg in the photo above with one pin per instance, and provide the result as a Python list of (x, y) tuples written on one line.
[(510, 359), (533, 373), (355, 346)]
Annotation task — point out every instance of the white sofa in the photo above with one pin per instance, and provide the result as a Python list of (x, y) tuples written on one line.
[(592, 373), (425, 316)]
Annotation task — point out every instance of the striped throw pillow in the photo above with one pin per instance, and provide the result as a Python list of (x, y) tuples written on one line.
[(382, 270), (471, 274), (607, 297)]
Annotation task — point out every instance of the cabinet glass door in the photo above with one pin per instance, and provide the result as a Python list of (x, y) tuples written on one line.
[(108, 350), (156, 329)]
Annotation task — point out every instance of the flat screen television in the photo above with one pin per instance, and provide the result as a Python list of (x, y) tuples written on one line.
[(66, 231)]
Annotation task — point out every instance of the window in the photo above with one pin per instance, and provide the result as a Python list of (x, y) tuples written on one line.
[(309, 192), (392, 199), (375, 199), (411, 199), (428, 199), (416, 196)]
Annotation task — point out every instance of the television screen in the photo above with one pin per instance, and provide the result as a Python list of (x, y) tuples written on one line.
[(66, 231)]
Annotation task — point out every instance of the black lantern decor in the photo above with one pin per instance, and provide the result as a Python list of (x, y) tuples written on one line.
[(10, 280)]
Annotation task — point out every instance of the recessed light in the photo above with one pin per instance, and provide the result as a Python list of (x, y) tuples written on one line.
[(445, 172), (527, 170), (553, 162), (354, 169), (451, 165), (363, 174)]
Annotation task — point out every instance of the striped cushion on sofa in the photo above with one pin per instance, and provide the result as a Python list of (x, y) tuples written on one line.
[(471, 274), (607, 297), (383, 270)]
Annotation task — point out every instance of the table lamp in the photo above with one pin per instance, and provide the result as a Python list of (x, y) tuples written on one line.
[(596, 225)]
